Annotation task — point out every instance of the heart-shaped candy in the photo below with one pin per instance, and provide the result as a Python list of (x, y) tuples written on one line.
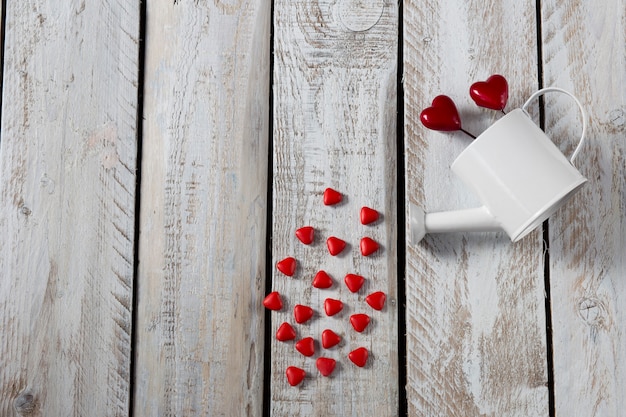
[(368, 246), (287, 266), (332, 197), (322, 280), (306, 346), (442, 115), (295, 375), (354, 282), (492, 93), (306, 234), (332, 306), (273, 301), (326, 366), (359, 321), (302, 313), (330, 339), (285, 332), (359, 356), (335, 245), (368, 215), (376, 300)]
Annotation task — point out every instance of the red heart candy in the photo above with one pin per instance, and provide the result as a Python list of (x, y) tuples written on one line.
[(332, 306), (354, 282), (442, 115), (302, 313), (368, 215), (306, 346), (330, 339), (359, 321), (368, 246), (305, 234), (326, 366), (287, 266), (492, 93), (359, 356), (376, 300), (322, 280), (295, 375), (285, 332), (331, 197), (335, 245), (273, 301)]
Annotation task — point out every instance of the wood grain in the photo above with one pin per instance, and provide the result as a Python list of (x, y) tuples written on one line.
[(476, 341), (203, 211), (335, 126), (67, 202), (584, 53)]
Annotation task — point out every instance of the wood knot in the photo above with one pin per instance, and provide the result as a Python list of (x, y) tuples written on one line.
[(591, 311), (25, 403), (360, 15)]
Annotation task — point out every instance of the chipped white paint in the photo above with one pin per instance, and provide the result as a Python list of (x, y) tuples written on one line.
[(203, 210), (67, 202)]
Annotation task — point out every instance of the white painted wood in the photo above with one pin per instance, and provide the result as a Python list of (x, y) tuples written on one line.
[(203, 209), (476, 340), (584, 53), (67, 199), (335, 126)]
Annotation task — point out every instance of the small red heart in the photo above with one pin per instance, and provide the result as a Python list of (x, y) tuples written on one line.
[(442, 115), (273, 301), (306, 346), (330, 339), (331, 197), (359, 321), (306, 234), (492, 93), (326, 366), (322, 280), (335, 245), (368, 215), (332, 306), (302, 313), (285, 332), (287, 266), (376, 300), (295, 375), (359, 356), (368, 246), (354, 282)]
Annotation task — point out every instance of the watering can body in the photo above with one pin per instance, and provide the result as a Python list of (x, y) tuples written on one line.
[(518, 174)]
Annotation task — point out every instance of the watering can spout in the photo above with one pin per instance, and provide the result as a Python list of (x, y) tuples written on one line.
[(466, 220)]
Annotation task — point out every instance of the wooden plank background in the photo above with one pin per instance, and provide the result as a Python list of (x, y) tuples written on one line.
[(106, 310)]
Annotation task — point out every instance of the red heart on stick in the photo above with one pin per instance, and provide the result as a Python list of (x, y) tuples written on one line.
[(295, 375), (326, 366), (492, 93), (442, 115)]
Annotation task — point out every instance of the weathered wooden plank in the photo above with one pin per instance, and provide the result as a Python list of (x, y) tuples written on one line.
[(476, 341), (584, 52), (67, 198), (203, 211), (334, 112)]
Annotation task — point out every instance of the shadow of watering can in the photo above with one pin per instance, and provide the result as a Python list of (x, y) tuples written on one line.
[(517, 172)]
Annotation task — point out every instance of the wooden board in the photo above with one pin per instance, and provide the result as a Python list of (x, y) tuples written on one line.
[(476, 338), (203, 211), (584, 53), (67, 202), (335, 126)]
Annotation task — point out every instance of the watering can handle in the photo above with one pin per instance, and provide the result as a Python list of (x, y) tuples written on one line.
[(580, 106)]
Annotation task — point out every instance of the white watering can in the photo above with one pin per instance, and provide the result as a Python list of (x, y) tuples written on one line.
[(517, 172)]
